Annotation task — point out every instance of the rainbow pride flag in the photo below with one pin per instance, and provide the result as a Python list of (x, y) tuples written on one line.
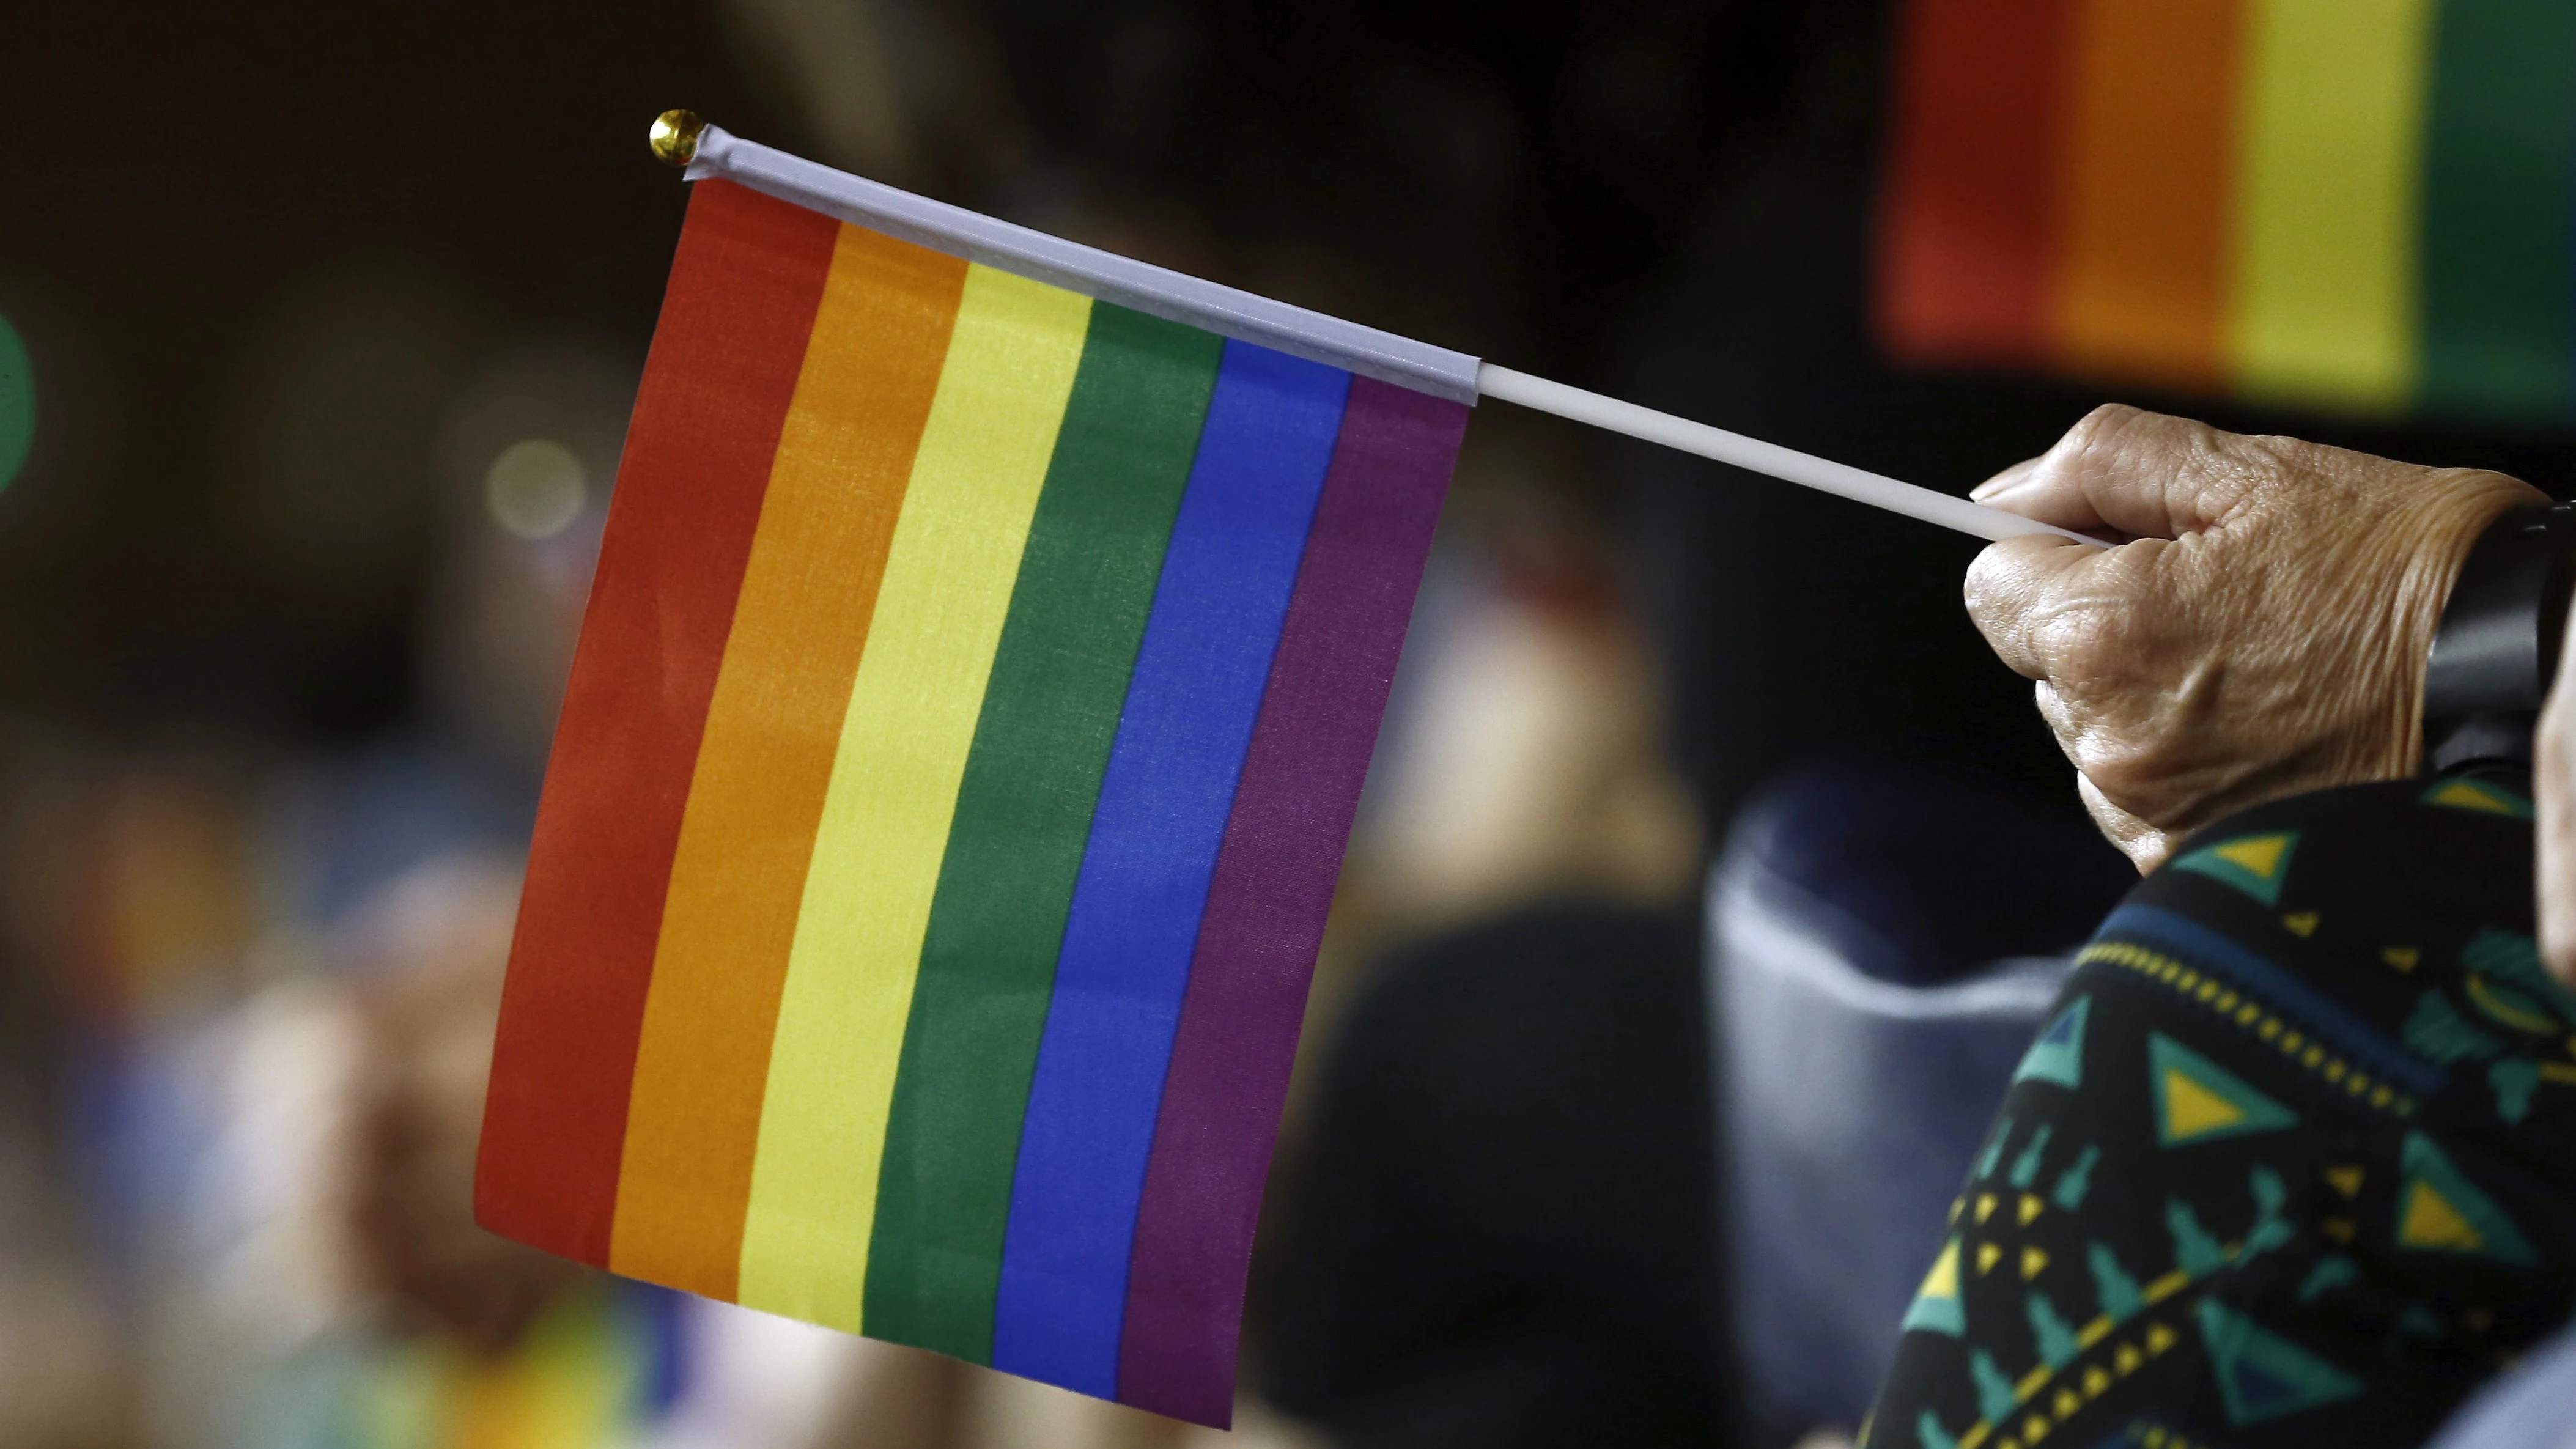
[(2367, 205), (975, 692)]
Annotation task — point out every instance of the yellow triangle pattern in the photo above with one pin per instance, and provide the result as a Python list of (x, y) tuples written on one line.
[(2033, 1263), (1943, 1280), (1988, 1254), (2465, 795), (2431, 1222), (2260, 854), (2192, 1109)]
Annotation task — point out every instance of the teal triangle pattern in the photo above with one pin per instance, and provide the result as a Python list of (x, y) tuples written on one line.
[(1938, 1305), (2197, 1250), (2514, 1080), (2262, 1375), (2331, 1272), (2058, 1055), (2254, 864), (2440, 1211), (2076, 1181), (1994, 1147), (2055, 1341), (2197, 1100), (2116, 1289), (1995, 1397), (2025, 1168)]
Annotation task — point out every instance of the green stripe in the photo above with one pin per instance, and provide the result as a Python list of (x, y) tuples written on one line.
[(2499, 208), (1095, 551)]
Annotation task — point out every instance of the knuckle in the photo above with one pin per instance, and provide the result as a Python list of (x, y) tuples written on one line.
[(2103, 425), (2116, 436), (2182, 454)]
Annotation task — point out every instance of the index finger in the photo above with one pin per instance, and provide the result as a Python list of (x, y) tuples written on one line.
[(2140, 474)]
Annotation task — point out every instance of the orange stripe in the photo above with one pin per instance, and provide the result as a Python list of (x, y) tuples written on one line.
[(738, 879), (2143, 290)]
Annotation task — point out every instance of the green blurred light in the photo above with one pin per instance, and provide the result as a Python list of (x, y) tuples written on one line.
[(17, 403)]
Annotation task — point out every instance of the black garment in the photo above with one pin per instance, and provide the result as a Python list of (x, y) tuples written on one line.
[(2294, 1162), (1499, 1236)]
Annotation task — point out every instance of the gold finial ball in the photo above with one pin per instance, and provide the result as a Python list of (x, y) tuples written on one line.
[(675, 136)]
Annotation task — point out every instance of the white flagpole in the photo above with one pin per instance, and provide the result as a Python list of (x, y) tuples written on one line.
[(707, 150), (1838, 479)]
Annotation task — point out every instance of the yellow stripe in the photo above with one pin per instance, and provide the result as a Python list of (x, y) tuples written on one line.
[(920, 686), (2329, 169)]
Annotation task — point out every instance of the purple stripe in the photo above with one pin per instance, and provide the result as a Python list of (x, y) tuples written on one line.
[(1274, 883)]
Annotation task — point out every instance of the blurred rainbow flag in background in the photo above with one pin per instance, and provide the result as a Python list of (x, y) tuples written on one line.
[(2360, 204), (975, 693)]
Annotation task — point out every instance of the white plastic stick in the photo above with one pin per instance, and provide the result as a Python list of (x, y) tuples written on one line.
[(1761, 457), (1312, 335)]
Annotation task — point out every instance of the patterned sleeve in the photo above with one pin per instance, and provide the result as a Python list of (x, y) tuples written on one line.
[(2293, 1161)]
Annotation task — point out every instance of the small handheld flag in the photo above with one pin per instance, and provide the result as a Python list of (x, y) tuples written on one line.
[(987, 647)]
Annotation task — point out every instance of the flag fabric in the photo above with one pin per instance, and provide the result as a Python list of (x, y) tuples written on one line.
[(975, 692), (2368, 205)]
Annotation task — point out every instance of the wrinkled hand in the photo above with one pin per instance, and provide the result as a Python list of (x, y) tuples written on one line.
[(2262, 633)]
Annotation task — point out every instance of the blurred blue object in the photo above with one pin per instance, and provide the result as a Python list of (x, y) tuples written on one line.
[(356, 823), (1882, 945), (2533, 1407)]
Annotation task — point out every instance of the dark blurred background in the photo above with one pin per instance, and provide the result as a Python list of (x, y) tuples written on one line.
[(333, 316), (255, 254)]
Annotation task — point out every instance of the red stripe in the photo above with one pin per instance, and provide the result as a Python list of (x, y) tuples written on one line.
[(1967, 243), (743, 294)]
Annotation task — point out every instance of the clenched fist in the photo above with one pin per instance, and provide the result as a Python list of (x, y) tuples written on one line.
[(2261, 632)]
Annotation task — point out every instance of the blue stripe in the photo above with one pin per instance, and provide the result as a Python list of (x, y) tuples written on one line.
[(1163, 806), (2200, 946)]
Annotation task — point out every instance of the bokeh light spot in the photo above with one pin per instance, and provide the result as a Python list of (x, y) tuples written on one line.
[(17, 403), (535, 488)]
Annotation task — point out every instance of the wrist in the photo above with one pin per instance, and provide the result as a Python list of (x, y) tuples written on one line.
[(2495, 643)]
